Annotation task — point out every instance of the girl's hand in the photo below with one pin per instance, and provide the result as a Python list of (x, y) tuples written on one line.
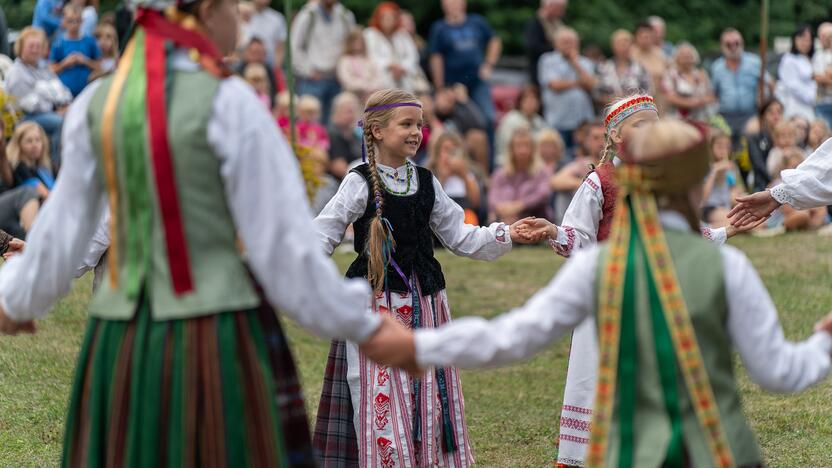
[(753, 208), (16, 247), (392, 344), (520, 234), (536, 229)]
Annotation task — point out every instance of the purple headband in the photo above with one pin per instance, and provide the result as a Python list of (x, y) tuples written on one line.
[(380, 108)]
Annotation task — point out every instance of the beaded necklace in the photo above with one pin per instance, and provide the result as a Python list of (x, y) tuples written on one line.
[(408, 176)]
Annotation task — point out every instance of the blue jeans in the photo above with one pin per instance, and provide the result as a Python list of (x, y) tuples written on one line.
[(825, 112), (51, 123), (325, 90)]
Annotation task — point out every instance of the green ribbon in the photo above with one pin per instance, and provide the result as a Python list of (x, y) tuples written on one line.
[(628, 351), (133, 131)]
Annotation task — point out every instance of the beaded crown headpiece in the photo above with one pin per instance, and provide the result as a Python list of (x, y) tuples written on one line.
[(628, 108)]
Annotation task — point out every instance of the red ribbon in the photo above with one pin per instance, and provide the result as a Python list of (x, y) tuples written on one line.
[(158, 30)]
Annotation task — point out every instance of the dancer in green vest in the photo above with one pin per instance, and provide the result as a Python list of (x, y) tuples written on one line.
[(184, 362), (668, 314)]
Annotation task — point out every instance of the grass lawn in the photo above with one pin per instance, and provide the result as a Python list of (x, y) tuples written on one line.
[(512, 412)]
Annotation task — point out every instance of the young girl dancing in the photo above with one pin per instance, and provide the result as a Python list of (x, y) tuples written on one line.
[(588, 221), (373, 415), (184, 362)]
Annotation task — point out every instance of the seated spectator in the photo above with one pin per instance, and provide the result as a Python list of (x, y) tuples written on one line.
[(760, 143), (357, 72), (394, 51), (801, 128), (38, 91), (551, 149), (686, 87), (818, 133), (460, 114), (345, 136), (89, 16), (18, 205), (566, 181), (47, 16), (256, 74), (29, 157), (254, 51), (526, 113), (327, 185), (281, 111), (566, 78), (74, 57), (620, 75), (310, 131), (452, 168), (521, 187), (723, 185), (270, 26), (784, 137), (107, 40)]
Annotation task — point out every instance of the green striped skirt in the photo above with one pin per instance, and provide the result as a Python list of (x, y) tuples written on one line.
[(219, 390)]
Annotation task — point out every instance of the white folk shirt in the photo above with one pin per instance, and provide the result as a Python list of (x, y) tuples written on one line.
[(753, 327), (581, 220), (268, 205), (447, 219), (808, 185)]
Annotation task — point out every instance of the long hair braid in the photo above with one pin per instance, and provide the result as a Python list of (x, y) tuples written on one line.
[(378, 235), (608, 152)]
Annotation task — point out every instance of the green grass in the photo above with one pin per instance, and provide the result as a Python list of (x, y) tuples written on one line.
[(512, 412)]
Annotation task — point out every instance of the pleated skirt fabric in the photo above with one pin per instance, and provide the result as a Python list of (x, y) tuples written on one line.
[(213, 391)]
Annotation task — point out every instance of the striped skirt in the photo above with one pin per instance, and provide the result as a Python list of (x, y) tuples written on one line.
[(213, 391)]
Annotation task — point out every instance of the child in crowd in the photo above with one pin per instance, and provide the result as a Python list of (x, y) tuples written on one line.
[(372, 415), (784, 136), (451, 166), (671, 310), (310, 130), (344, 134), (29, 157), (551, 148), (356, 71), (327, 186), (89, 15), (818, 133), (107, 40), (521, 187), (282, 105), (723, 184), (74, 56), (257, 76)]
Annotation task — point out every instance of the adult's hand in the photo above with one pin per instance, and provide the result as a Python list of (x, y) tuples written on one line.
[(392, 344)]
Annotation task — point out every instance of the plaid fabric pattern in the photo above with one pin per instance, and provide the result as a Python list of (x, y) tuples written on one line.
[(334, 439)]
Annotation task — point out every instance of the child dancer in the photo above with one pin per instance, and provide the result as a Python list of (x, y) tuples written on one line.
[(373, 415), (587, 221), (670, 308), (184, 362)]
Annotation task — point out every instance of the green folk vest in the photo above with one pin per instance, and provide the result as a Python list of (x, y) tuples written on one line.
[(698, 266), (220, 278)]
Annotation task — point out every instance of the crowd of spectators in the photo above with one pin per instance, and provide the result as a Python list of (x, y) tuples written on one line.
[(502, 164)]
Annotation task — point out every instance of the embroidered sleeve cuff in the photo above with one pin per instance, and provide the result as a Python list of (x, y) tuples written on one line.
[(718, 236), (779, 194), (502, 233), (565, 241)]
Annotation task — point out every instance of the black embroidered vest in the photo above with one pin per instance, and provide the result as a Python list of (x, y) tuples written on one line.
[(410, 218)]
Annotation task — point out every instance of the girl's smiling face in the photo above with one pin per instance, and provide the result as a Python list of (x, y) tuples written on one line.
[(401, 138)]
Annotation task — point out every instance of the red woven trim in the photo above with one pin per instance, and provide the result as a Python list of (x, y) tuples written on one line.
[(570, 438), (625, 105), (577, 409), (575, 424)]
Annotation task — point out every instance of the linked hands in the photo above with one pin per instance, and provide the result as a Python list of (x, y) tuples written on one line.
[(393, 345), (533, 230), (753, 209)]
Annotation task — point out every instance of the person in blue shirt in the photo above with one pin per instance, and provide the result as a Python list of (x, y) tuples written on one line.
[(735, 78), (74, 56), (47, 16), (464, 49)]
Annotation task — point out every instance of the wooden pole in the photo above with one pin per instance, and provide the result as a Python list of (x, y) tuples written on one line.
[(761, 90), (290, 72)]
